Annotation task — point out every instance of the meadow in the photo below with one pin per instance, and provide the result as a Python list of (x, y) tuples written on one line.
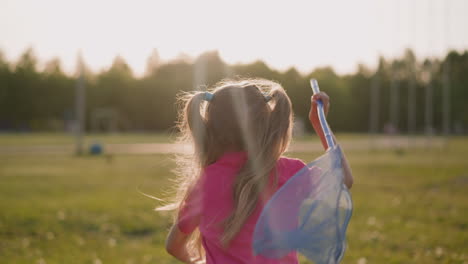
[(410, 205)]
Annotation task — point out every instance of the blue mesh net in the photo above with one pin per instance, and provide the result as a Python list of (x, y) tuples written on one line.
[(309, 214)]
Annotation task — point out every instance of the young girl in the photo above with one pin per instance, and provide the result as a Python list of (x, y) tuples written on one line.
[(239, 132)]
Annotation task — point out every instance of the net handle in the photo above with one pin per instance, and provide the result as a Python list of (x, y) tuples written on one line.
[(321, 114)]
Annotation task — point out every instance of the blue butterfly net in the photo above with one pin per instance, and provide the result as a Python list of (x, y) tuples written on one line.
[(309, 214)]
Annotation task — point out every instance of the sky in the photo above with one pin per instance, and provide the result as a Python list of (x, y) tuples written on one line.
[(303, 34)]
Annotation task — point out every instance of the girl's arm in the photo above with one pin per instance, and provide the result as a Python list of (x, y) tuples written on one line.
[(313, 117), (176, 246)]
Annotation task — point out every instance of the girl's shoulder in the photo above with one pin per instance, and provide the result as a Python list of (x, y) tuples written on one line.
[(289, 166)]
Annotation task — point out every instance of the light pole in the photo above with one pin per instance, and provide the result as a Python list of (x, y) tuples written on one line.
[(80, 104)]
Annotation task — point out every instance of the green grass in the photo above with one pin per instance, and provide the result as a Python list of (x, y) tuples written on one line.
[(409, 207)]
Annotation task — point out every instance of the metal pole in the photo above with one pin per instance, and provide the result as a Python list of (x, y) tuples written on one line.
[(79, 108), (412, 79), (429, 88), (394, 102), (374, 108), (412, 104), (428, 107), (394, 85), (446, 77)]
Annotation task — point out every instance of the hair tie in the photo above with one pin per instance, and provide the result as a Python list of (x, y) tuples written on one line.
[(267, 97), (208, 96)]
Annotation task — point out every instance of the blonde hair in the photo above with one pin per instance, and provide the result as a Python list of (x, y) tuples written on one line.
[(239, 117)]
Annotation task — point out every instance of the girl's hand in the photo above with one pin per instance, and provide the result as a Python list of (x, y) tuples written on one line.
[(313, 114)]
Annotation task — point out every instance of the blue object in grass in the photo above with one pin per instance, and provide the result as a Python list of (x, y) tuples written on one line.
[(311, 212), (95, 149)]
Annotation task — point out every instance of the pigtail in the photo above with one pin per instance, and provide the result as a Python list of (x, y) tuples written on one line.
[(280, 123), (196, 124)]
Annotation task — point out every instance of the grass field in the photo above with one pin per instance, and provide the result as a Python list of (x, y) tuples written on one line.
[(410, 207)]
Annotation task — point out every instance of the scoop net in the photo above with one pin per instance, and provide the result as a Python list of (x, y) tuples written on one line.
[(310, 213)]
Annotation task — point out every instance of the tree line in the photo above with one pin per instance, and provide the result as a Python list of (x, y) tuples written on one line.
[(368, 99)]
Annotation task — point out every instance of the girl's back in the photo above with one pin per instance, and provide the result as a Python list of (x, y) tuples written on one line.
[(211, 202), (239, 132)]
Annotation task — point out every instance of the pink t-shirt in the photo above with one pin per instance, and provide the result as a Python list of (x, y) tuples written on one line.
[(211, 202)]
